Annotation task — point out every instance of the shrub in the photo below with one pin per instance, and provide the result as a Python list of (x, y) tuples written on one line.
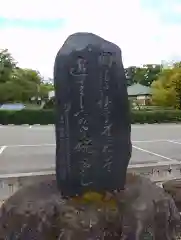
[(50, 104), (27, 116), (45, 116), (163, 116)]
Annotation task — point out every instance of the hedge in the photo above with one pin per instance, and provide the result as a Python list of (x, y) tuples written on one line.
[(27, 116), (157, 116), (43, 117)]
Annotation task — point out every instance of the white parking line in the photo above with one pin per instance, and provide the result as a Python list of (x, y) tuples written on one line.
[(26, 126), (157, 140), (149, 141), (173, 141), (2, 148), (28, 145), (156, 154)]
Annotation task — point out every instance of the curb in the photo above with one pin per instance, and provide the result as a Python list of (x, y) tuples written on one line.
[(28, 174), (133, 124), (26, 125)]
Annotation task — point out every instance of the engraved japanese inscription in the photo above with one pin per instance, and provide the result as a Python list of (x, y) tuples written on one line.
[(105, 61), (83, 146)]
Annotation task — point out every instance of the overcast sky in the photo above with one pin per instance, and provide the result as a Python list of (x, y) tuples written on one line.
[(147, 31)]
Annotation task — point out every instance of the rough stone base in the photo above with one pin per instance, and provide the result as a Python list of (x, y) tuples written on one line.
[(173, 187), (37, 212)]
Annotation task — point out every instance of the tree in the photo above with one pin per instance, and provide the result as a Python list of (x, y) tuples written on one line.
[(130, 73), (17, 84), (162, 95), (7, 65), (176, 80), (27, 75), (144, 75), (134, 74), (44, 90), (28, 81), (151, 72), (167, 88), (50, 104), (10, 92)]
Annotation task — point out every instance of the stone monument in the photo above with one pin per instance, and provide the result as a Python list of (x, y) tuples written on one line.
[(93, 145), (92, 155)]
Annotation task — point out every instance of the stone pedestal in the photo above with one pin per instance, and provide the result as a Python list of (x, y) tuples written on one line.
[(142, 211), (173, 187)]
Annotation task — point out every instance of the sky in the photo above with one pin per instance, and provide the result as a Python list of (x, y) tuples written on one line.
[(147, 31)]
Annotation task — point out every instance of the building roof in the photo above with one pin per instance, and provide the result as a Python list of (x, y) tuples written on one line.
[(138, 90)]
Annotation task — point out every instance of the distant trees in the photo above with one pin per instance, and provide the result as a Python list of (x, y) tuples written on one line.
[(26, 85), (167, 87), (144, 75), (18, 84), (165, 82)]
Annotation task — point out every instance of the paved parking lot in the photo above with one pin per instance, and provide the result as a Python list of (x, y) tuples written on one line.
[(30, 149)]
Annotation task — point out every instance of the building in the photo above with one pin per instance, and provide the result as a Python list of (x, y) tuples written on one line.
[(136, 92), (140, 93)]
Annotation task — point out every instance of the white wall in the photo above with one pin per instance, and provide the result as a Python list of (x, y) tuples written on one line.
[(51, 94)]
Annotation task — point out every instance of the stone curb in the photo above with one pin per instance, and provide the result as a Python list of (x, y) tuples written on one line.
[(27, 174), (27, 125), (135, 124), (162, 169)]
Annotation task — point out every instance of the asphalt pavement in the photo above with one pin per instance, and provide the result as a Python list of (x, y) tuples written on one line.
[(32, 148)]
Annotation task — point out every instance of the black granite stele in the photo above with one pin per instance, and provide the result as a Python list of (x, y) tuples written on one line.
[(93, 145)]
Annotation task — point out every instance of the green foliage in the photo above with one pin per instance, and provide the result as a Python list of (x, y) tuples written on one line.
[(44, 89), (18, 84), (160, 116), (7, 64), (50, 104), (27, 116), (176, 80), (144, 75), (43, 117), (167, 88)]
